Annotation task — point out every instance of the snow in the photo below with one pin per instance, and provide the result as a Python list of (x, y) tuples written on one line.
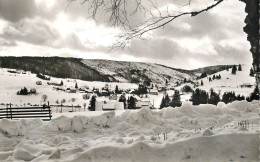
[(230, 82), (155, 72), (194, 133), (188, 133), (11, 83)]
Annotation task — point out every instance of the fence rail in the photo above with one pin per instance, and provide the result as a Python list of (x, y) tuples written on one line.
[(10, 112)]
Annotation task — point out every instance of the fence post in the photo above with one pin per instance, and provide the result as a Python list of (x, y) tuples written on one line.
[(11, 111), (7, 111), (49, 109), (50, 112)]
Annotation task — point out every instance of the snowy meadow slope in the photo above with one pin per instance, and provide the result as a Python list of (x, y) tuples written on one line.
[(126, 71)]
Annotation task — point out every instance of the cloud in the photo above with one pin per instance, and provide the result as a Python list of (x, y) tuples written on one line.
[(15, 10), (41, 27)]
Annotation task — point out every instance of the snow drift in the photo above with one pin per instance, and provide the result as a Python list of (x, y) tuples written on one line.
[(188, 133)]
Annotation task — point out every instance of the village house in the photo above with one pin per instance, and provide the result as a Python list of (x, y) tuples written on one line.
[(113, 97), (153, 92), (53, 83), (86, 96), (246, 85), (144, 103), (171, 86), (160, 87), (109, 106)]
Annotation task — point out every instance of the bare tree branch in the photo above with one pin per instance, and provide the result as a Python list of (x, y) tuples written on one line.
[(119, 13)]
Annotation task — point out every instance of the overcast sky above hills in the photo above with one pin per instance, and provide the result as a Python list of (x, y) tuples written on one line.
[(43, 28)]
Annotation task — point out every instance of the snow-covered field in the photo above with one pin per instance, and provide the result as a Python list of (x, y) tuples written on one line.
[(11, 83), (230, 82), (194, 133)]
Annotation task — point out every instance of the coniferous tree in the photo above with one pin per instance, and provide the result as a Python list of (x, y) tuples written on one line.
[(116, 90), (201, 83), (131, 103), (252, 73), (185, 80), (210, 79), (254, 95), (195, 98), (239, 68), (229, 97), (167, 100), (61, 83), (92, 103), (122, 99), (203, 75), (234, 69), (240, 97), (203, 97), (176, 100), (214, 97), (214, 77), (76, 86), (219, 76), (162, 105)]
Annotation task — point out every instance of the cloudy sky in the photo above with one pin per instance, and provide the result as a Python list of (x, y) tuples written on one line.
[(44, 28)]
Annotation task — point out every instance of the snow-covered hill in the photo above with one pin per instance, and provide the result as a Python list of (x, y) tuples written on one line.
[(127, 71), (103, 70), (230, 82)]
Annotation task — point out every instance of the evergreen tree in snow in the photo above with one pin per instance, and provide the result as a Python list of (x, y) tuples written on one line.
[(176, 100), (167, 100), (214, 97), (201, 83), (229, 97), (252, 73), (116, 90), (131, 103), (234, 69), (203, 75), (76, 86), (214, 77), (122, 99), (239, 68), (61, 83), (210, 79), (92, 106), (240, 97), (162, 105), (203, 97), (185, 80), (195, 98), (254, 95)]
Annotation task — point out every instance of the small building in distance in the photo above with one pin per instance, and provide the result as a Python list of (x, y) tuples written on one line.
[(246, 85), (109, 106), (153, 92)]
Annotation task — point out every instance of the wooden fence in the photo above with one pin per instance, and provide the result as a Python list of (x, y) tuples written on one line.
[(10, 112)]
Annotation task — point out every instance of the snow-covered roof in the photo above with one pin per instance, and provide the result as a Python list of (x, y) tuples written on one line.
[(100, 106), (153, 91)]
